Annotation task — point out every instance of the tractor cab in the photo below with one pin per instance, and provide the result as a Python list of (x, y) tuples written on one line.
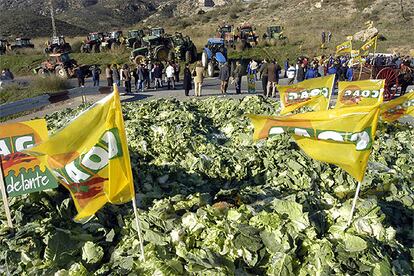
[(23, 42), (135, 34), (95, 37), (115, 35), (275, 32), (223, 31), (246, 32), (216, 45), (157, 32)]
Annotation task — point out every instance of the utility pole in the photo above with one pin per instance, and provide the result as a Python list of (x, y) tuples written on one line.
[(52, 16)]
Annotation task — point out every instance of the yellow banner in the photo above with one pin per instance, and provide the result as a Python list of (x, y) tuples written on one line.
[(370, 43), (354, 53), (345, 47), (358, 93), (315, 93), (398, 108), (90, 157), (343, 137)]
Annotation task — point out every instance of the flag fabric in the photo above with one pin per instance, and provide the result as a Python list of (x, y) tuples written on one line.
[(343, 48), (315, 93), (397, 108), (370, 43), (358, 93), (354, 53), (90, 157), (342, 137)]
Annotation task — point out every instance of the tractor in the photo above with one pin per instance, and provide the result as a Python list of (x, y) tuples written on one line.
[(158, 32), (57, 44), (182, 48), (61, 65), (21, 43), (153, 48), (226, 32), (274, 33), (112, 41), (92, 43), (4, 46), (134, 39), (246, 36), (214, 55)]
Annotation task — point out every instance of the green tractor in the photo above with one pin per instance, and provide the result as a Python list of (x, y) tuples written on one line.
[(158, 32), (273, 34), (182, 48), (153, 48), (134, 39)]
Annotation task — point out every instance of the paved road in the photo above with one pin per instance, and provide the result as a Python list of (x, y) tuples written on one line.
[(211, 87)]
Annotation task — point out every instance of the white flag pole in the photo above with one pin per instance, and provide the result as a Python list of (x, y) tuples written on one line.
[(141, 241), (4, 197), (354, 203)]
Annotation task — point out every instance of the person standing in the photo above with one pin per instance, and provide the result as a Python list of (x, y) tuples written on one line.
[(311, 73), (300, 74), (286, 67), (253, 66), (349, 73), (126, 75), (150, 68), (109, 75), (264, 76), (81, 77), (291, 73), (323, 37), (140, 78), (157, 76), (177, 70), (115, 75), (96, 71), (198, 78), (271, 84), (224, 76), (237, 76), (170, 72), (329, 36), (187, 85)]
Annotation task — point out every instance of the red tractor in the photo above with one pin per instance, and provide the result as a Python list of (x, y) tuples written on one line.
[(226, 32), (246, 36), (61, 65), (92, 43)]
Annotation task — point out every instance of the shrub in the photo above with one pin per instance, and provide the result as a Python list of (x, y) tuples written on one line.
[(76, 46)]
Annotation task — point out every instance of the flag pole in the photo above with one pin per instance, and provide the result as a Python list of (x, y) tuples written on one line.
[(354, 203), (4, 197), (141, 241)]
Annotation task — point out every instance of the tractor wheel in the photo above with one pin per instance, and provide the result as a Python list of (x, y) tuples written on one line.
[(171, 56), (61, 72), (94, 48), (210, 69), (139, 59), (188, 57), (162, 54), (204, 59), (391, 82), (241, 45), (41, 72), (136, 44)]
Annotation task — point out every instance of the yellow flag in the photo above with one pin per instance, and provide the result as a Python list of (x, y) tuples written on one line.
[(397, 108), (345, 47), (90, 157), (354, 53), (343, 137), (370, 43), (358, 93), (315, 93)]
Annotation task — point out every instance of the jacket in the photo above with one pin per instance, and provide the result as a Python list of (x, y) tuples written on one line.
[(263, 69), (349, 74), (271, 72), (170, 71), (224, 73), (237, 72), (311, 74), (199, 70), (108, 73), (126, 74), (291, 72), (187, 79), (158, 72), (300, 75)]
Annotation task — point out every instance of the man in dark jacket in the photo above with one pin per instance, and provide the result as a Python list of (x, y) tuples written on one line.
[(158, 76), (300, 74), (127, 78), (224, 76), (237, 76), (264, 76), (81, 77)]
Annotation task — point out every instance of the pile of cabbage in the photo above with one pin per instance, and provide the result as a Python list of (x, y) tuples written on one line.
[(213, 202)]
